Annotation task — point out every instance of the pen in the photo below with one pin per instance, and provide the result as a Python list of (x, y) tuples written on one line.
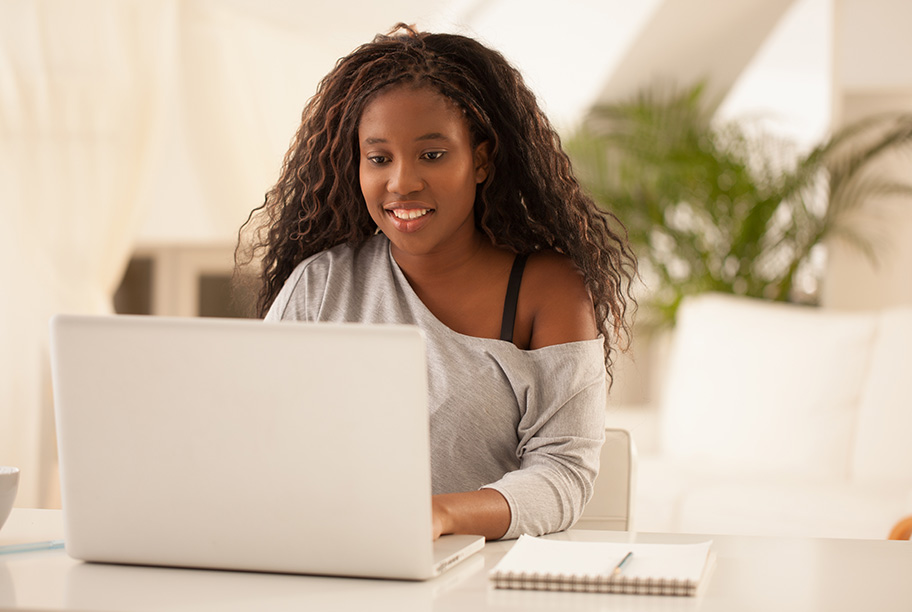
[(619, 566), (31, 547)]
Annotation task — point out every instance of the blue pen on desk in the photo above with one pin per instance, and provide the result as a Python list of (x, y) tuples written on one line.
[(620, 566), (31, 547)]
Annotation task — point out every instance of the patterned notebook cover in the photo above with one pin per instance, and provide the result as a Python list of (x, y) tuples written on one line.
[(560, 565)]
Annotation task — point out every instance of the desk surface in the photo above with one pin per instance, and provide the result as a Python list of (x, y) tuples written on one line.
[(752, 573)]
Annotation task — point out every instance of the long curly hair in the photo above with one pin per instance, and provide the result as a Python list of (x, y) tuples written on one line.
[(530, 200)]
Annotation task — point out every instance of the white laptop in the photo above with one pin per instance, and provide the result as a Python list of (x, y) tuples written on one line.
[(246, 445)]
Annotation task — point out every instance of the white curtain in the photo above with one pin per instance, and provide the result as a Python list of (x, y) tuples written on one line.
[(98, 98), (82, 89), (241, 82)]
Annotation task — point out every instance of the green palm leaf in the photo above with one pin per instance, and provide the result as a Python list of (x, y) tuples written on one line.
[(728, 208)]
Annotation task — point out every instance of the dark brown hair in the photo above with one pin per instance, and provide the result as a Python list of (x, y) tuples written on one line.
[(530, 200)]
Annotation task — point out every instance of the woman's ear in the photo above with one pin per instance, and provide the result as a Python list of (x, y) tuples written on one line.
[(482, 159)]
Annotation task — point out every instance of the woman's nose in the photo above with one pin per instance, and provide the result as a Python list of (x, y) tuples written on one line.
[(404, 179)]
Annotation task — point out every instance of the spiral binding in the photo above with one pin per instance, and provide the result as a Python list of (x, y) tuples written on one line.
[(592, 583)]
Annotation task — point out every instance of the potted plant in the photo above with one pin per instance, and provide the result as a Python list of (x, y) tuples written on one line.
[(728, 207)]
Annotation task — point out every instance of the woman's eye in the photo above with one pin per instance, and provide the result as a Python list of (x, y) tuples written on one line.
[(377, 159), (433, 155)]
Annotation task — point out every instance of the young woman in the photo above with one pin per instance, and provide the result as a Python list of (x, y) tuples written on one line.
[(425, 186)]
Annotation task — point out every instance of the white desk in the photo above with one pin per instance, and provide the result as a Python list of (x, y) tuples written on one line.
[(770, 574)]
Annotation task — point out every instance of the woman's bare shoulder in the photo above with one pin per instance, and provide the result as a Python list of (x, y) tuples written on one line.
[(560, 306)]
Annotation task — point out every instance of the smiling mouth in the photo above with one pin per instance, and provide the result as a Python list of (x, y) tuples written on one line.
[(409, 214)]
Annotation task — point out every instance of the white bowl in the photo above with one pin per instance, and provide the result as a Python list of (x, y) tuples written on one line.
[(9, 483)]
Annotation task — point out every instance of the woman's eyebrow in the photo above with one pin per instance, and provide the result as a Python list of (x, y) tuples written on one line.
[(428, 136), (432, 136)]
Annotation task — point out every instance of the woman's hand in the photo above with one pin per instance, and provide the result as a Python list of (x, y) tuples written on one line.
[(484, 512)]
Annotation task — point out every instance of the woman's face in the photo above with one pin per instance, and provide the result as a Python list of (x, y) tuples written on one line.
[(419, 170)]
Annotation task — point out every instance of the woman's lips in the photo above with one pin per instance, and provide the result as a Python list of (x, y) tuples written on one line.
[(408, 218)]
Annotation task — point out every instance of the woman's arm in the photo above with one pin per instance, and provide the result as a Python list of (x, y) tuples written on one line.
[(484, 512), (561, 431)]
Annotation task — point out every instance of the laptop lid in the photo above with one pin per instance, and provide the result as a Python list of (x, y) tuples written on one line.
[(241, 444)]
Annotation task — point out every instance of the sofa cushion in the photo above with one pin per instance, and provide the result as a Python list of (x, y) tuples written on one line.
[(661, 485), (791, 508), (670, 497), (883, 451), (757, 386)]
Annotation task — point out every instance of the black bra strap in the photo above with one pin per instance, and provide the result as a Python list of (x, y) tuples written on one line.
[(509, 311)]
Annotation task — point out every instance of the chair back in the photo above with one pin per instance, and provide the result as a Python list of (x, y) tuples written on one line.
[(611, 506)]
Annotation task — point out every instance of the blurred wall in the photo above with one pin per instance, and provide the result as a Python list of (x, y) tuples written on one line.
[(873, 74)]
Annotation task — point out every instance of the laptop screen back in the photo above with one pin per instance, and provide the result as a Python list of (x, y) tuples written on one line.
[(287, 447)]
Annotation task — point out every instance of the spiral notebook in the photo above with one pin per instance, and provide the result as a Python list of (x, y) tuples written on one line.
[(561, 565)]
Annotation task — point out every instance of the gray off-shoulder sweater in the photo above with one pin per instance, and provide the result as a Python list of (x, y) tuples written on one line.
[(529, 424)]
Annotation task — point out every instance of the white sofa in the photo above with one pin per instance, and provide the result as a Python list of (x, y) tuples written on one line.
[(777, 419)]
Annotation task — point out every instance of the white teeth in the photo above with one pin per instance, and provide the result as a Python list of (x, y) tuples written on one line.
[(413, 213)]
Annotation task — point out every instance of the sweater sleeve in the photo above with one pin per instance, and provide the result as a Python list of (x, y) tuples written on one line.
[(560, 435), (302, 294)]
